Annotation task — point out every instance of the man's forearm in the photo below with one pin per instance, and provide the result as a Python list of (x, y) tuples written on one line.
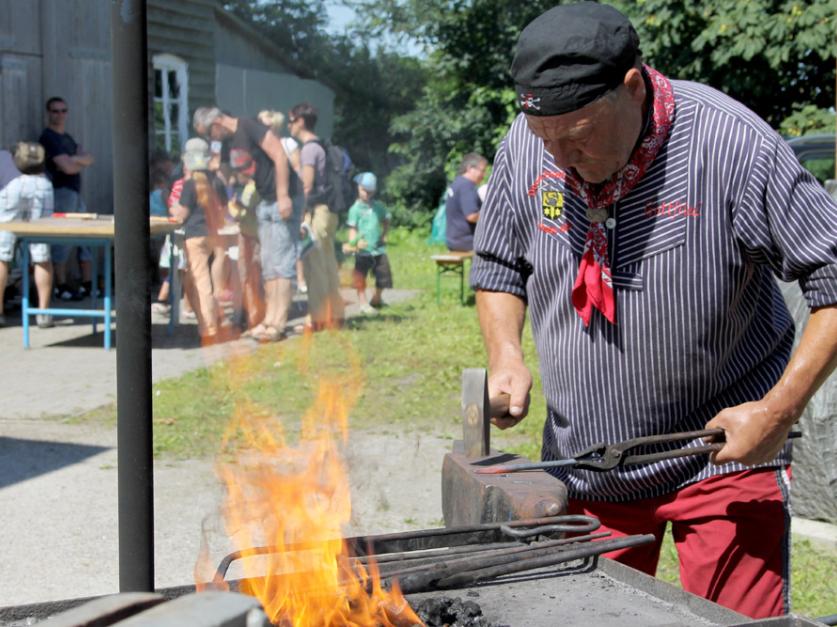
[(501, 321), (85, 160), (811, 364), (756, 431), (281, 180)]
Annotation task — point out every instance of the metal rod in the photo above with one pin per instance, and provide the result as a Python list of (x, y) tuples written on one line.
[(133, 290), (409, 562), (481, 558), (443, 580), (443, 568), (588, 550), (427, 539)]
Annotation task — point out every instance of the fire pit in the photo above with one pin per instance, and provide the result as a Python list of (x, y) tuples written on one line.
[(448, 558), (606, 594)]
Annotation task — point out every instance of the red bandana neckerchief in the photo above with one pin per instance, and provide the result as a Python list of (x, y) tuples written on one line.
[(593, 284)]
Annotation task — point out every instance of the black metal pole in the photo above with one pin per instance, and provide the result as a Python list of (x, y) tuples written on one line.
[(133, 290)]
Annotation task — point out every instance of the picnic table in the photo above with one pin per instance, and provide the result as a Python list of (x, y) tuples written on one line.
[(90, 230)]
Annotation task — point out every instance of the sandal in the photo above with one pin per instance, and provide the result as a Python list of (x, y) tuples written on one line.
[(254, 331), (270, 334)]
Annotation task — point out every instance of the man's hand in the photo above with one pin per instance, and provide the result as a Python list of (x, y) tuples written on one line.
[(755, 432), (501, 321), (512, 378), (285, 205), (84, 159), (179, 212)]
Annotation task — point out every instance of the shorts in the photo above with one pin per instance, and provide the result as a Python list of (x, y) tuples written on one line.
[(38, 253), (69, 201), (278, 242), (379, 264)]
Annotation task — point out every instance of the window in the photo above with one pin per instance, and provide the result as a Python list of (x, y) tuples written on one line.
[(171, 102)]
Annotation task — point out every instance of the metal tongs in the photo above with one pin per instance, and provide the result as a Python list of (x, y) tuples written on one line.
[(603, 457)]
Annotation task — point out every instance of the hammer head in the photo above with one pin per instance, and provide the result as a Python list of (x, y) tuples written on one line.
[(469, 498)]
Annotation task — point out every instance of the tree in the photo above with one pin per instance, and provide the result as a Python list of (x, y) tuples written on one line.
[(295, 26), (467, 102), (775, 56), (371, 86)]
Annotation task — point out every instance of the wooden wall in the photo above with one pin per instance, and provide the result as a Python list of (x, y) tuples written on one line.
[(59, 48), (186, 29), (62, 48)]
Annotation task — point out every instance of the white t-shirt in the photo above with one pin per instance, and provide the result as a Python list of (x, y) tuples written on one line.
[(290, 145), (27, 197)]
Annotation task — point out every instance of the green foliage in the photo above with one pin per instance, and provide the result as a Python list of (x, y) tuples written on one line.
[(371, 85), (295, 26), (807, 120), (466, 104), (775, 56), (411, 119)]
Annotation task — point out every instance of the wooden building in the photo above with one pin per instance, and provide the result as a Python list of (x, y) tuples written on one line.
[(198, 55)]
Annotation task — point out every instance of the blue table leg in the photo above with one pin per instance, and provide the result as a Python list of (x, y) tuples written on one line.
[(108, 289), (174, 287), (24, 305), (94, 273)]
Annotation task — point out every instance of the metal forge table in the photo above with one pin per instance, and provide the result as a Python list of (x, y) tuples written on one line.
[(95, 232)]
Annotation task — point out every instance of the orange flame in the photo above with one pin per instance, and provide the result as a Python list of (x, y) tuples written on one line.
[(296, 499)]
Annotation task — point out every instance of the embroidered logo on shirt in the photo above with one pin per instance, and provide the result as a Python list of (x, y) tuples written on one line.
[(554, 230), (552, 203), (672, 209)]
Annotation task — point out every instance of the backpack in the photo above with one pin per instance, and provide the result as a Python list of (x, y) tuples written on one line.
[(438, 227), (338, 187)]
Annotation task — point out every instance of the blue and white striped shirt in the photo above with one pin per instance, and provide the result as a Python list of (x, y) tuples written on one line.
[(701, 324)]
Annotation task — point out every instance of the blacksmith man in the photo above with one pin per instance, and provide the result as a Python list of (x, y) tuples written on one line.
[(650, 320)]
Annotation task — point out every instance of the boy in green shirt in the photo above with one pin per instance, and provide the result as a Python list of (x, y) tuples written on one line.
[(368, 222)]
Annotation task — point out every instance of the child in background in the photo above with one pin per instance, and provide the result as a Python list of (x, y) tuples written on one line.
[(161, 306), (368, 222), (26, 194)]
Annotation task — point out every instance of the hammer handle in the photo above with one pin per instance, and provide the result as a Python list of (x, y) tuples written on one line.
[(500, 405)]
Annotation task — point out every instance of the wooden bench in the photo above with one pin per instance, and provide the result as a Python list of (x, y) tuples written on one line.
[(451, 263)]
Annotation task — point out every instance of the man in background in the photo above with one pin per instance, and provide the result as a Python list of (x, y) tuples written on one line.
[(278, 226), (65, 161), (462, 207)]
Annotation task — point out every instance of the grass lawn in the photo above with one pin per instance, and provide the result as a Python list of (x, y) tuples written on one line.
[(406, 365)]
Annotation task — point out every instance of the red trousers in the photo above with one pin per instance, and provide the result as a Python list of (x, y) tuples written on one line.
[(732, 535)]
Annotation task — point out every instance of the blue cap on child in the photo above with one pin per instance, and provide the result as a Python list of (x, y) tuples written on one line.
[(367, 181)]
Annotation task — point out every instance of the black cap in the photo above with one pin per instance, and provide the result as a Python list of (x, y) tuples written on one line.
[(571, 55)]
